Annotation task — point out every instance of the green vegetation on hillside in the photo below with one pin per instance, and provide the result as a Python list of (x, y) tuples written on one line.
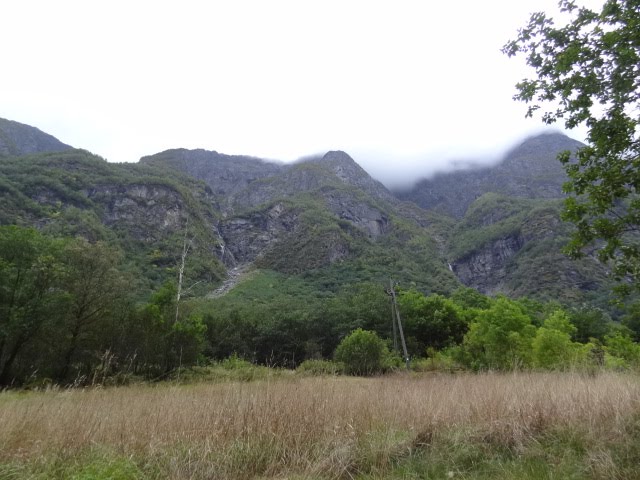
[(104, 329), (525, 238), (142, 210), (490, 217), (69, 315), (323, 255)]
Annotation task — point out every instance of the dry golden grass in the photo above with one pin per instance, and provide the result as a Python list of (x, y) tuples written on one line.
[(329, 427)]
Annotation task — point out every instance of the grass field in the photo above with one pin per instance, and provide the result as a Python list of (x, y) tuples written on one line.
[(518, 425)]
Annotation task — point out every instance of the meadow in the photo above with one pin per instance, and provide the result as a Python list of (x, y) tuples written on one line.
[(427, 425)]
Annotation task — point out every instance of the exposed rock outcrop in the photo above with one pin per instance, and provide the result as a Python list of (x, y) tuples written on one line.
[(263, 203), (226, 175), (350, 173), (248, 237), (486, 269), (146, 210), (361, 215)]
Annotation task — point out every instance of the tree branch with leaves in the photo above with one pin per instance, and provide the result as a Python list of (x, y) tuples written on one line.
[(588, 74)]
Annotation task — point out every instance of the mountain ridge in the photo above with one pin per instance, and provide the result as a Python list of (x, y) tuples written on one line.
[(323, 218), (21, 139), (528, 170)]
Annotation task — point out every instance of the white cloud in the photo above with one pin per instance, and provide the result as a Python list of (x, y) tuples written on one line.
[(279, 79)]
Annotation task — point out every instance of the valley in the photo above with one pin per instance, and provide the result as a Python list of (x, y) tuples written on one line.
[(279, 262), (199, 315)]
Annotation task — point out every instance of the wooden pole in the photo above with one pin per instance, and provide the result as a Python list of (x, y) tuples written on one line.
[(397, 312), (393, 321)]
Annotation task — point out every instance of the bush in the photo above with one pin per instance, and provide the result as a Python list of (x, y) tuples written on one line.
[(438, 361), (234, 368), (363, 353), (621, 350), (320, 367)]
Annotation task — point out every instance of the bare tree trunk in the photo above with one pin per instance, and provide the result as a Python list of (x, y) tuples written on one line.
[(186, 245)]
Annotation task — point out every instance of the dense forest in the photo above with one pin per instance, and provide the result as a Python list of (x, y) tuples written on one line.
[(70, 315)]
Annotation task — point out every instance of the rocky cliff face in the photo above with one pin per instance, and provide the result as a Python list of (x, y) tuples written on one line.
[(243, 183), (486, 269), (327, 210), (269, 210), (334, 170), (250, 236), (518, 252), (226, 175), (365, 217), (508, 236), (19, 139), (147, 212), (147, 215), (352, 174)]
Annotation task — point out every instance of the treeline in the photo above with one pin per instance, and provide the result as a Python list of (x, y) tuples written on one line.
[(462, 330), (70, 313)]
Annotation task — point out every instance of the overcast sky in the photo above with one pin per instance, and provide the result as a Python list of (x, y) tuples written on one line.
[(399, 85)]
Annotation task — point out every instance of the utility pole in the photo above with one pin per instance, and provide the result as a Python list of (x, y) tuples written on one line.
[(397, 324), (394, 324)]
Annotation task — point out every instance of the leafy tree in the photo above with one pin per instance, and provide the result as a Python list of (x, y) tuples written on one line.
[(590, 322), (587, 74), (363, 353), (552, 345), (362, 305), (230, 330), (632, 321), (94, 286), (282, 332), (432, 322), (499, 338), (620, 345), (536, 310), (30, 270), (162, 342), (470, 298)]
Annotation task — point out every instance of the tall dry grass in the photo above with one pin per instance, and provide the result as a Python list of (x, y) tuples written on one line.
[(328, 427)]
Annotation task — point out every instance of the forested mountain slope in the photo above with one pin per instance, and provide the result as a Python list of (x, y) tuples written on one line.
[(323, 219), (508, 235), (145, 212)]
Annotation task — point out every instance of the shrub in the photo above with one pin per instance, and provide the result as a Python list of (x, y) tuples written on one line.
[(320, 367), (438, 361), (363, 353), (621, 350)]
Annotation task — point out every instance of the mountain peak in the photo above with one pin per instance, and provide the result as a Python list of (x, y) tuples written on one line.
[(337, 156), (544, 145), (547, 138), (20, 139), (342, 165), (529, 170)]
